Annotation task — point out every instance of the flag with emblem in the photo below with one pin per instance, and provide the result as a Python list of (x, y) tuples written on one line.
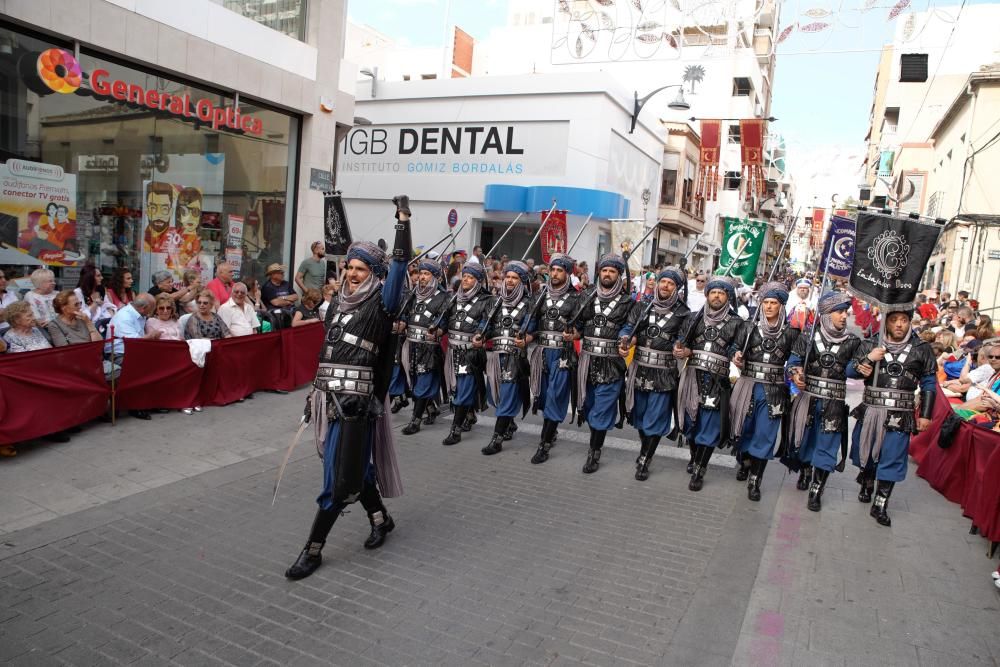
[(741, 248), (839, 248)]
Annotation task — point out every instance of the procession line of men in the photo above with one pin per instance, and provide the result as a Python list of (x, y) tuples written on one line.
[(516, 353)]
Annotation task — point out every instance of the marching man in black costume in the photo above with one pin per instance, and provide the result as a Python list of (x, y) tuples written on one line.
[(422, 357), (553, 360), (651, 381), (464, 364), (348, 404), (506, 364), (708, 338), (759, 403), (885, 417)]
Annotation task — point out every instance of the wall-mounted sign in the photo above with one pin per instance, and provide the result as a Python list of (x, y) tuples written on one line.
[(321, 179), (58, 71), (42, 199), (96, 164), (452, 218)]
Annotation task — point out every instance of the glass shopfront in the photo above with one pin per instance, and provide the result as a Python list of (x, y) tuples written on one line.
[(107, 164)]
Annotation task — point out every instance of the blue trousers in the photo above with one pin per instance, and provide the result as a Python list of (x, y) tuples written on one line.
[(652, 411), (601, 405), (510, 404), (705, 429), (325, 499), (818, 449), (427, 385), (760, 432), (892, 460), (465, 391), (555, 387), (397, 386)]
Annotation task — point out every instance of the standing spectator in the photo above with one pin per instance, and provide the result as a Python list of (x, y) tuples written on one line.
[(308, 311), (221, 286), (312, 270), (165, 321), (960, 322), (70, 326), (239, 314), (927, 310), (192, 285), (92, 295), (205, 323), (6, 298), (329, 290), (23, 334), (984, 327), (278, 296), (119, 290), (41, 297), (963, 298)]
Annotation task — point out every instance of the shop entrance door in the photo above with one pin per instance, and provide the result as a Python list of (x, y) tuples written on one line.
[(515, 243)]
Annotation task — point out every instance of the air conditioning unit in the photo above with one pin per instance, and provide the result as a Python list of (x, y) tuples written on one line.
[(758, 110)]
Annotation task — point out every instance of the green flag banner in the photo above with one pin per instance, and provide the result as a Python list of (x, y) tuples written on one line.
[(748, 234)]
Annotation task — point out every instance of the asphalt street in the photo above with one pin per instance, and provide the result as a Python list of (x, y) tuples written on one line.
[(156, 543)]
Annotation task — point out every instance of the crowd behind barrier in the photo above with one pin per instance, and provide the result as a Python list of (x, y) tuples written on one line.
[(55, 389)]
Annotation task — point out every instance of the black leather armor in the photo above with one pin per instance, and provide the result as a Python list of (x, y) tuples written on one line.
[(711, 349), (602, 321), (654, 348), (502, 332), (898, 381), (553, 314), (764, 361), (464, 320), (425, 356), (826, 376)]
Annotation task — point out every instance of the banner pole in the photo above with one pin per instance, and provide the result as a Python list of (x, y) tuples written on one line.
[(539, 232), (569, 250), (812, 329), (114, 411), (770, 277), (504, 235)]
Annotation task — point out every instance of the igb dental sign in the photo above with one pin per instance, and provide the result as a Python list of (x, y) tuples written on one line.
[(58, 71), (491, 149)]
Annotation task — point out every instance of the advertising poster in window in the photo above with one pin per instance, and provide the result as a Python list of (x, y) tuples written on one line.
[(234, 244), (38, 212)]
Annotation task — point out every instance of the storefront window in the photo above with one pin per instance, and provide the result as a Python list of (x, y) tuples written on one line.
[(287, 16), (110, 165)]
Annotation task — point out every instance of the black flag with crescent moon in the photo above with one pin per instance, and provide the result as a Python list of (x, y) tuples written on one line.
[(892, 255), (841, 237)]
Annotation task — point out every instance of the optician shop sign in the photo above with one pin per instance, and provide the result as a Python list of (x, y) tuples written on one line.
[(470, 149), (58, 71)]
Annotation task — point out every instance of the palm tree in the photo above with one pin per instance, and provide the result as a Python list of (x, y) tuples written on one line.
[(693, 74)]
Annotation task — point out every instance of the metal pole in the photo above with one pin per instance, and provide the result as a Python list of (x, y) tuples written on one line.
[(812, 330), (504, 235), (539, 232), (114, 414), (644, 237), (454, 237), (586, 222), (770, 277), (422, 254)]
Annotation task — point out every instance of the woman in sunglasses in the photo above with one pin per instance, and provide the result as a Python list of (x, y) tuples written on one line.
[(165, 319)]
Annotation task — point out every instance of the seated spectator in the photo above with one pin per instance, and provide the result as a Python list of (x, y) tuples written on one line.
[(7, 297), (165, 322), (962, 322), (92, 295), (23, 334), (239, 314), (984, 327), (205, 323), (119, 289), (70, 326), (308, 311), (985, 375), (329, 290), (130, 322), (278, 296), (192, 285), (253, 293), (221, 286), (41, 297)]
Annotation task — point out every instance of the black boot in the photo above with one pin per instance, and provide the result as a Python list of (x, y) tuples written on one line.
[(642, 461), (511, 430), (867, 487), (805, 474), (470, 421), (702, 455), (455, 436), (419, 404), (756, 474), (743, 467), (311, 556), (594, 455), (815, 502), (432, 414), (881, 501), (548, 432), (496, 442), (692, 448), (398, 403), (382, 524)]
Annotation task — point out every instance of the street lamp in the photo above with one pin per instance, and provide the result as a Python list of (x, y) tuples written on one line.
[(963, 236), (678, 103)]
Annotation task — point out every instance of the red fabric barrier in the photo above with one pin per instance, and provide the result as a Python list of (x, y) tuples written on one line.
[(300, 348), (239, 366), (48, 391), (157, 374), (964, 473)]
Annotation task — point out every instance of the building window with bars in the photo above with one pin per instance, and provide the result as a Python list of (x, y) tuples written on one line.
[(734, 133), (731, 181)]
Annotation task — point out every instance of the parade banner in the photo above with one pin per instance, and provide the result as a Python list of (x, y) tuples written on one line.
[(336, 230), (897, 250), (752, 135), (708, 169), (841, 238), (750, 235), (39, 201), (553, 238)]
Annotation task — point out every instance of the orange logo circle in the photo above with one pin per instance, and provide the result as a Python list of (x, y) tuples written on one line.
[(59, 70)]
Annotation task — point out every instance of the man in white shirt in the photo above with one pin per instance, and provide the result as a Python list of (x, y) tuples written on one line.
[(238, 313)]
